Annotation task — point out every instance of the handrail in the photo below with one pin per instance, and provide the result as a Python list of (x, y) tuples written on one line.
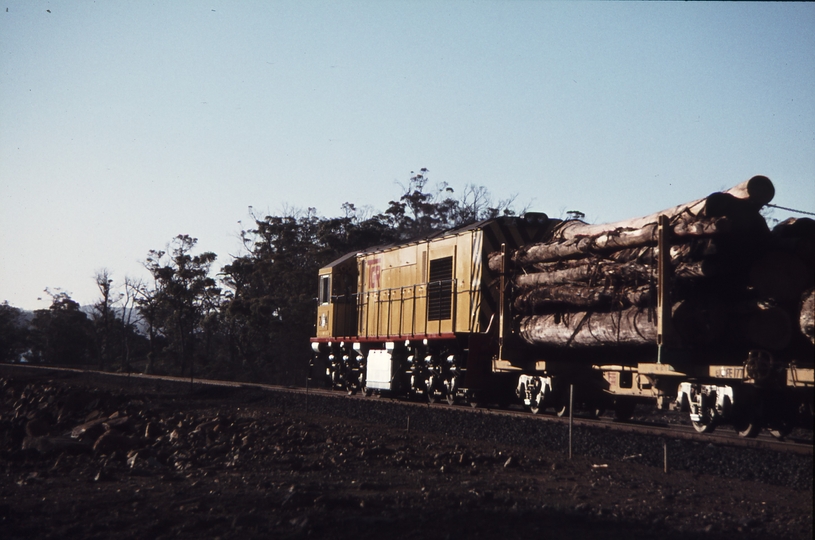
[(362, 301)]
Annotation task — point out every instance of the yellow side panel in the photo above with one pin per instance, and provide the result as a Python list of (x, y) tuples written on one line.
[(394, 288)]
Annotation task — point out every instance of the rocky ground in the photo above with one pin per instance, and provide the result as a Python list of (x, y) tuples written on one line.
[(87, 457)]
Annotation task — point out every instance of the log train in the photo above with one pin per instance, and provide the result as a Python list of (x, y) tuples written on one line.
[(700, 307)]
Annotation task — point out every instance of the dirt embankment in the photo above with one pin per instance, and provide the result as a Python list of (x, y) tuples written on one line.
[(86, 458)]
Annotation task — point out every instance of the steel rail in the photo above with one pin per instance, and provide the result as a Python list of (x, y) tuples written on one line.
[(672, 431)]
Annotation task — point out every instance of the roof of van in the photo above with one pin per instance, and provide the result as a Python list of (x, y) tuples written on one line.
[(423, 238)]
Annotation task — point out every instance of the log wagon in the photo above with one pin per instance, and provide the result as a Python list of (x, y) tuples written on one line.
[(700, 307)]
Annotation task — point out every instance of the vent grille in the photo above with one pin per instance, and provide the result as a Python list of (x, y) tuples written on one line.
[(440, 289)]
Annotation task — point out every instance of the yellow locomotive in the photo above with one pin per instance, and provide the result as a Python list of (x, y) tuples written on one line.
[(419, 317)]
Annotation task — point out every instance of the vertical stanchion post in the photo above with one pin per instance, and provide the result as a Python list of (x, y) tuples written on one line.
[(571, 417), (408, 426), (665, 456), (307, 379)]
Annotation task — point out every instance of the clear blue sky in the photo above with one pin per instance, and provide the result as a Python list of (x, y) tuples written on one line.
[(124, 124)]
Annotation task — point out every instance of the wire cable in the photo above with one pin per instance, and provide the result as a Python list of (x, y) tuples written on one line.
[(791, 209)]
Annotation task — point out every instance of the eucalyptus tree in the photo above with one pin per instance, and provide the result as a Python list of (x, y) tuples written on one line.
[(183, 295), (61, 334), (270, 290), (103, 316), (14, 339), (422, 210)]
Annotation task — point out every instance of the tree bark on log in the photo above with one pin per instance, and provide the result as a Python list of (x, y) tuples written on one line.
[(807, 318), (630, 327), (709, 216), (782, 276), (752, 194), (767, 327), (579, 297), (695, 248), (592, 285), (703, 227), (696, 324), (594, 272), (539, 299), (609, 242)]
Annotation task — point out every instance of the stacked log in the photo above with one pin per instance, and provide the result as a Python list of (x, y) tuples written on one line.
[(733, 280), (807, 317)]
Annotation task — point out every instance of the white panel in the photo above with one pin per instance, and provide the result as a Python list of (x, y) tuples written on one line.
[(380, 370)]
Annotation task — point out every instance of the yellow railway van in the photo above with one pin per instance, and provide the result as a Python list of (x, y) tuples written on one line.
[(419, 316)]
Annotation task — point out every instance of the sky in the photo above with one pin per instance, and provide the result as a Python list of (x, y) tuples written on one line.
[(124, 124)]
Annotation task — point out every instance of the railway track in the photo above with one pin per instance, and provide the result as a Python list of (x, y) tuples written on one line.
[(669, 430)]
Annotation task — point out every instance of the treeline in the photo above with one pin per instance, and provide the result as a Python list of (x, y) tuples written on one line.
[(249, 321)]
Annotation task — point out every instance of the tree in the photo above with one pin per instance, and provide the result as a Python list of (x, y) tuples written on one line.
[(269, 304), (184, 294), (129, 318), (103, 316), (61, 334), (419, 213), (13, 333)]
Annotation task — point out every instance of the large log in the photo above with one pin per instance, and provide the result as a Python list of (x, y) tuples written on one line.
[(576, 297), (795, 228), (712, 215), (807, 318), (697, 324), (630, 327), (796, 235), (607, 243), (702, 227), (752, 194), (768, 327), (695, 249), (598, 271), (781, 276), (616, 245), (592, 272)]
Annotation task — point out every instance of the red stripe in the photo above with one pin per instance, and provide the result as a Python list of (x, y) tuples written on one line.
[(380, 339)]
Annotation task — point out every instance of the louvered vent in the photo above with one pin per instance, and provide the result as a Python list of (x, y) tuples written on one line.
[(440, 289)]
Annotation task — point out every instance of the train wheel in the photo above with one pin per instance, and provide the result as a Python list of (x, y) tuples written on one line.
[(703, 427), (748, 426), (535, 407), (780, 432), (472, 400), (748, 429), (748, 422), (432, 397), (781, 423), (562, 410), (706, 422), (451, 398)]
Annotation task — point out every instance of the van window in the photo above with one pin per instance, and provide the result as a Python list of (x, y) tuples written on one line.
[(325, 289)]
